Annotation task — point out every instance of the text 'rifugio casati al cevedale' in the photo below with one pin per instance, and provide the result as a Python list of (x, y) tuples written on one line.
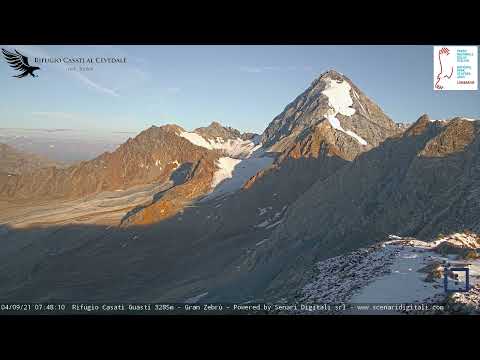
[(81, 60)]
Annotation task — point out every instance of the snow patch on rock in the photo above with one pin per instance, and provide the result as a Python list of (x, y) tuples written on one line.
[(236, 148), (340, 102), (195, 139), (263, 211), (356, 137), (196, 298), (336, 125), (262, 242), (338, 94), (271, 222)]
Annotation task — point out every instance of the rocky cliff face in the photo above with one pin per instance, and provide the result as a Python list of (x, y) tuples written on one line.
[(197, 182), (458, 134)]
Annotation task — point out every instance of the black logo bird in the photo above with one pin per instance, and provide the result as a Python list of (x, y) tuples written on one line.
[(20, 63)]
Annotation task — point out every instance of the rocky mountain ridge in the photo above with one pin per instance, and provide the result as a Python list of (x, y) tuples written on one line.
[(15, 162), (157, 154), (418, 184)]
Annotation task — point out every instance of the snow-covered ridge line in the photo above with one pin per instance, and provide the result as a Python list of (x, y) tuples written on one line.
[(450, 119), (233, 147)]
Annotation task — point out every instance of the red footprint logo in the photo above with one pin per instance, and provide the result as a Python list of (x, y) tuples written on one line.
[(442, 53)]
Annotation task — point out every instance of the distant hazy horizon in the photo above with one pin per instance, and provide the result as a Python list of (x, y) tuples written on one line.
[(244, 87), (64, 145)]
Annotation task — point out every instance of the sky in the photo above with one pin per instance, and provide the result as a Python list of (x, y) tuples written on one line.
[(240, 86)]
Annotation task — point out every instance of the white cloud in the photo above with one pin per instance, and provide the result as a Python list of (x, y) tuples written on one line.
[(95, 85)]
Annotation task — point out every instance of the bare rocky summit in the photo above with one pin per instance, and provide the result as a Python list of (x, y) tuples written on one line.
[(216, 130)]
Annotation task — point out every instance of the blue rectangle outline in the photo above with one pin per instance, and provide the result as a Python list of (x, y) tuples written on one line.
[(467, 279)]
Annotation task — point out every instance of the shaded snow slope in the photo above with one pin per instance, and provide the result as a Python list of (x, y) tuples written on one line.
[(232, 173), (226, 165)]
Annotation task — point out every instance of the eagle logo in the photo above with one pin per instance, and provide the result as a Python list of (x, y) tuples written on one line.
[(19, 62)]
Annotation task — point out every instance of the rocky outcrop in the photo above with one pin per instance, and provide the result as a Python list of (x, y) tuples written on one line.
[(323, 139), (418, 126), (396, 177), (197, 182), (216, 130), (403, 126), (458, 134)]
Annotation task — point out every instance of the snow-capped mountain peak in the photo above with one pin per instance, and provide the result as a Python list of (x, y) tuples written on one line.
[(333, 98), (225, 139)]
